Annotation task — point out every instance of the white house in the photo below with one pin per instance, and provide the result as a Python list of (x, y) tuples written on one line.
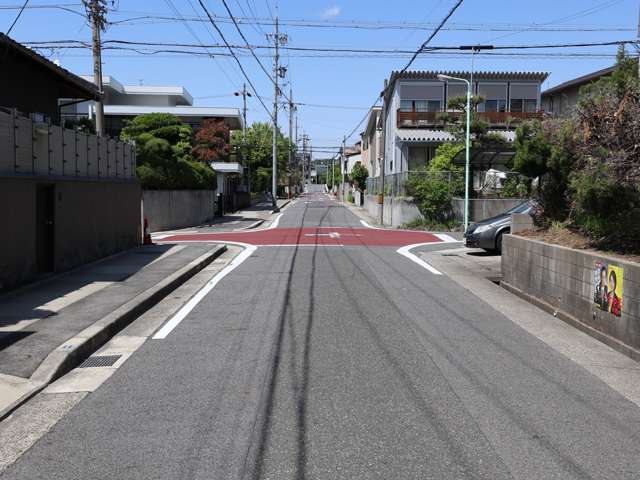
[(415, 102), (123, 102)]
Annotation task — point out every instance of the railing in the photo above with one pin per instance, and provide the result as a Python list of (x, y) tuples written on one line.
[(484, 184), (35, 148), (432, 119)]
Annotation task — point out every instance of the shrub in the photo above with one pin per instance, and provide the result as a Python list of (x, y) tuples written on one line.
[(359, 175)]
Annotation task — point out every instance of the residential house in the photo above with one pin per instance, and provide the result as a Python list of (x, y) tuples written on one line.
[(371, 142), (351, 156), (415, 101), (66, 197), (562, 99), (123, 102)]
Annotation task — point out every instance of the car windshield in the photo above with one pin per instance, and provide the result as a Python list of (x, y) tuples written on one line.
[(522, 208)]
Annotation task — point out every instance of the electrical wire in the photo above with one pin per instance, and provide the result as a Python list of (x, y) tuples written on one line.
[(244, 73), (17, 17)]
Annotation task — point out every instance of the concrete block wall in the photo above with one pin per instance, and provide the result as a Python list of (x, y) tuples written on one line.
[(564, 278), (482, 208), (521, 222), (169, 209)]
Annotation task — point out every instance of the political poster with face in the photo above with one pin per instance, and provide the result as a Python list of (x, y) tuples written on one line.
[(608, 288)]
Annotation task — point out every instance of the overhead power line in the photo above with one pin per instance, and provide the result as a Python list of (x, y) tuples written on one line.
[(250, 48), (17, 17), (244, 73), (433, 34)]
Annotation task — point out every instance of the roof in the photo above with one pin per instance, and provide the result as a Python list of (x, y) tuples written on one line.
[(578, 82), (480, 75), (81, 88), (183, 97), (372, 120), (227, 167), (426, 135), (233, 114)]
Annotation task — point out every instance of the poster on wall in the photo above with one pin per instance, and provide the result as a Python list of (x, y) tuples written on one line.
[(607, 295)]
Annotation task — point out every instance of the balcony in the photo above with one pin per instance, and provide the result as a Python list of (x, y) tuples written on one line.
[(441, 119)]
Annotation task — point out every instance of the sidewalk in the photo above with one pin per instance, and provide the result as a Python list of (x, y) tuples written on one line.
[(48, 328), (246, 219)]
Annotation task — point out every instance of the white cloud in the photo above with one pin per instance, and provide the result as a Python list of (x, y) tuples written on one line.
[(331, 12)]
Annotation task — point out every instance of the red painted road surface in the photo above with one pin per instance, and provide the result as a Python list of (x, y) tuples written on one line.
[(313, 236)]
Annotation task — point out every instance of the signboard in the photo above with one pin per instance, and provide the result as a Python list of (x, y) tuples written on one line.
[(608, 291)]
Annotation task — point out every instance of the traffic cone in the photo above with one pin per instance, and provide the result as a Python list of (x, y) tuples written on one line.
[(146, 239)]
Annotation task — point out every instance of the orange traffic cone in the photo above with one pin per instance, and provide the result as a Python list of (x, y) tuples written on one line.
[(146, 239)]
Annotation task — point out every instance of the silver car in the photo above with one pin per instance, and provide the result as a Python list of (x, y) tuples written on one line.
[(487, 234)]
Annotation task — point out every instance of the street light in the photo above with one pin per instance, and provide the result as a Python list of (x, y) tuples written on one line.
[(444, 78)]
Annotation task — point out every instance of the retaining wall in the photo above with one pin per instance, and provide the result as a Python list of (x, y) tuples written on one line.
[(565, 279), (401, 210), (169, 209)]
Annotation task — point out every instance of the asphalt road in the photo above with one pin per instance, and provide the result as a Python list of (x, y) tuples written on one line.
[(321, 361)]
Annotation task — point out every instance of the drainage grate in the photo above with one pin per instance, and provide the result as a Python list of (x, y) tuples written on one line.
[(100, 361)]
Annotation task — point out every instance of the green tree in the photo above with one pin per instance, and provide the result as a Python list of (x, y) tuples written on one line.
[(359, 175), (259, 154), (164, 144)]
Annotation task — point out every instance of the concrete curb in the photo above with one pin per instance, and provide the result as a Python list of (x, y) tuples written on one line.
[(279, 209), (75, 350), (253, 225)]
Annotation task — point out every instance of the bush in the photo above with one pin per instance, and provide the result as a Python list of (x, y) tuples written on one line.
[(434, 188), (359, 175)]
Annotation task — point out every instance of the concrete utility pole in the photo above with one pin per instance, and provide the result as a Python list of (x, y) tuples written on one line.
[(245, 94), (291, 145), (96, 13), (278, 72)]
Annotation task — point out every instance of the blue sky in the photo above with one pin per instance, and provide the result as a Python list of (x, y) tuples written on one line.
[(334, 80)]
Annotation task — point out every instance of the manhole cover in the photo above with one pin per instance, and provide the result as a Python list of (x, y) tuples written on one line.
[(100, 361)]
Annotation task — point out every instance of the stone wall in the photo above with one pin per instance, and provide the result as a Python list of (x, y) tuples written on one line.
[(169, 209), (565, 280)]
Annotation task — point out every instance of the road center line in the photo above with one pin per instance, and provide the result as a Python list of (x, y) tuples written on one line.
[(197, 298), (405, 251)]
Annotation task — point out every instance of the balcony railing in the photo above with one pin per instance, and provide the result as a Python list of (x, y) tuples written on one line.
[(439, 119)]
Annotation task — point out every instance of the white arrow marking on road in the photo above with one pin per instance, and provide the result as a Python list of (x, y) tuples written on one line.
[(332, 235)]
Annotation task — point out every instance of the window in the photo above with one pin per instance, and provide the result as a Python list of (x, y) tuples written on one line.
[(524, 105), (406, 105), (494, 106), (419, 157), (420, 105)]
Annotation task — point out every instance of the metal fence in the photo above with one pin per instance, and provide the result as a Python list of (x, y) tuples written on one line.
[(39, 148), (485, 184)]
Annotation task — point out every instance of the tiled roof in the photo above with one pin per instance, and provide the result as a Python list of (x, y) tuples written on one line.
[(481, 75), (426, 135), (580, 80), (87, 88)]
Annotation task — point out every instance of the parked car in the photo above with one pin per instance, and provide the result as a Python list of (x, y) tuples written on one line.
[(487, 234)]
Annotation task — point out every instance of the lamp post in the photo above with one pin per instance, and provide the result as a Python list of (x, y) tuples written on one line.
[(467, 145), (474, 49)]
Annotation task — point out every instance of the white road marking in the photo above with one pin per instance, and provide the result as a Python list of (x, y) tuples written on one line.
[(405, 251), (332, 235), (446, 238), (275, 223), (211, 284)]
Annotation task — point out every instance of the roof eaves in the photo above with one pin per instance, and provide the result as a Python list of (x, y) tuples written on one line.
[(90, 89), (580, 80)]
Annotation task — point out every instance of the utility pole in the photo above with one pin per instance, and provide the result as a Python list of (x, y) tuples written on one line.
[(245, 94), (291, 146), (278, 72), (96, 13)]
